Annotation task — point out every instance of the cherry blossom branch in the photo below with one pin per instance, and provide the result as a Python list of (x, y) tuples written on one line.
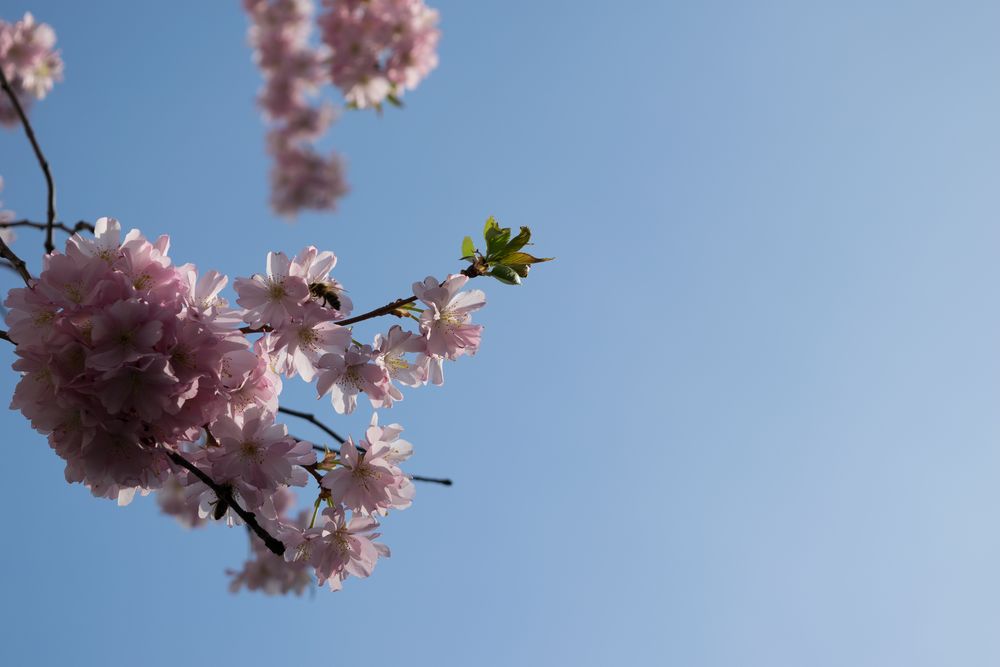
[(42, 162), (390, 308), (311, 418), (80, 226), (224, 494), (416, 478), (5, 336)]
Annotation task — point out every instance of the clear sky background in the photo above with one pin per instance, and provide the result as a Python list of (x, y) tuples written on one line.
[(749, 417)]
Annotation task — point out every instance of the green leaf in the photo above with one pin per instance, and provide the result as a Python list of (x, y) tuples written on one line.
[(496, 241), (518, 241), (524, 258), (394, 101), (506, 275), (491, 223), (468, 247), (519, 269)]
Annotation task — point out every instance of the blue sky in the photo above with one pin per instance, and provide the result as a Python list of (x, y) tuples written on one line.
[(747, 418)]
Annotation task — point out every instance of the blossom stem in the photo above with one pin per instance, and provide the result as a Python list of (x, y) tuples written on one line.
[(309, 417), (312, 521), (5, 336), (50, 220), (226, 495), (80, 226), (314, 471)]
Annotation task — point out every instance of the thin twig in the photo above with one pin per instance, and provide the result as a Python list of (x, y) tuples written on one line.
[(5, 336), (80, 226), (50, 219), (225, 495), (433, 480), (309, 417), (387, 309)]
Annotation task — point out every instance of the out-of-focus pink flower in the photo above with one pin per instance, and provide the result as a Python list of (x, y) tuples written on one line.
[(29, 61), (337, 547), (293, 70), (301, 178), (7, 235), (379, 47)]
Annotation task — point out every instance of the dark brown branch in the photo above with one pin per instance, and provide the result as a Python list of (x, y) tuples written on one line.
[(5, 336), (17, 263), (250, 330), (309, 417), (80, 226), (50, 218), (387, 309), (433, 480), (225, 494)]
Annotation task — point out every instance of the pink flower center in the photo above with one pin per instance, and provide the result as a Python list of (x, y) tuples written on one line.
[(251, 449)]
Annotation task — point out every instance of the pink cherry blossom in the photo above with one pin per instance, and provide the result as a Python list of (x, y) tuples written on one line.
[(391, 349), (304, 341), (445, 323), (368, 482), (355, 372), (256, 451), (273, 299), (315, 266), (115, 361), (388, 436)]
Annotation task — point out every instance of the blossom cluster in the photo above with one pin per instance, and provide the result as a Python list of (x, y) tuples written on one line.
[(29, 62), (372, 50), (301, 177), (297, 303), (379, 48), (130, 364)]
